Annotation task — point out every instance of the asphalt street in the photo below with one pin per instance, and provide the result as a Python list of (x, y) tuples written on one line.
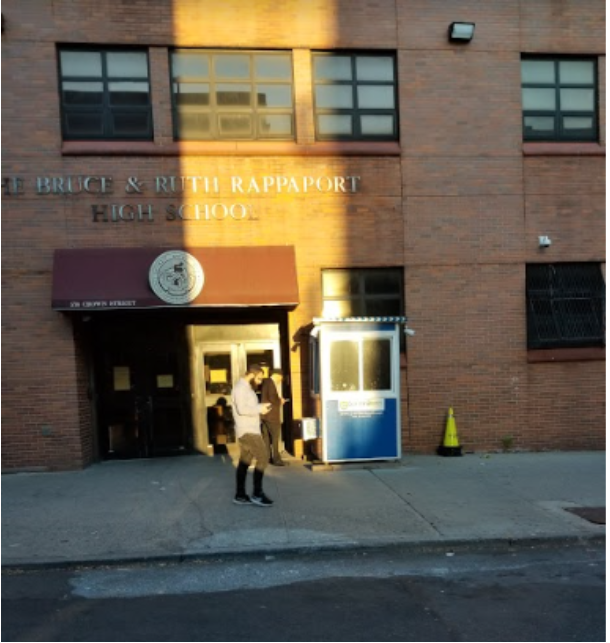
[(544, 593)]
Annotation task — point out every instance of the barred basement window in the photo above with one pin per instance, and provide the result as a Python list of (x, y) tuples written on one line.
[(559, 99), (105, 95), (566, 305), (220, 95), (355, 96)]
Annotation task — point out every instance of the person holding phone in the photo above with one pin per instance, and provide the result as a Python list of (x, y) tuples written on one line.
[(272, 422), (247, 412)]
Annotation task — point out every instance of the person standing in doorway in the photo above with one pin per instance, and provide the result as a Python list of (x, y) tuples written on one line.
[(247, 413), (272, 422)]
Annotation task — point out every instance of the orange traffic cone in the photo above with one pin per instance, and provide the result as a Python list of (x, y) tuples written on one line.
[(451, 445)]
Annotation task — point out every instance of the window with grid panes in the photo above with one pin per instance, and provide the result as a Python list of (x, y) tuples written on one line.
[(559, 99), (566, 305), (355, 96), (375, 292), (232, 95), (105, 94)]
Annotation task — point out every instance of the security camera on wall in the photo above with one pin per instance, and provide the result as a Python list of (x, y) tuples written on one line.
[(544, 241)]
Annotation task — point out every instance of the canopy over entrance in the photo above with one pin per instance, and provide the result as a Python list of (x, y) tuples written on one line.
[(123, 278)]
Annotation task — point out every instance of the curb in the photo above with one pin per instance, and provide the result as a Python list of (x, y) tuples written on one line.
[(403, 548)]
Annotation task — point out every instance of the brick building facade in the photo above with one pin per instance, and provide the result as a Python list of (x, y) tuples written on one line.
[(440, 184)]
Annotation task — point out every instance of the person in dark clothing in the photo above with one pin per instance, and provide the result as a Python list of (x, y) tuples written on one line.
[(271, 392)]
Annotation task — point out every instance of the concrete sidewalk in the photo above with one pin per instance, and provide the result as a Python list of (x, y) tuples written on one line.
[(175, 508)]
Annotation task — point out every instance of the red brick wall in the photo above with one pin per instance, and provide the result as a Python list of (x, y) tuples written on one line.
[(459, 206)]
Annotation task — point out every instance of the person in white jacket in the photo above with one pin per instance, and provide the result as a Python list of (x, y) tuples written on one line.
[(247, 413)]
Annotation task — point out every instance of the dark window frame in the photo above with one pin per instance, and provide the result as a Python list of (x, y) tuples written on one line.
[(559, 134), (106, 109), (216, 111), (566, 305), (356, 112), (362, 296)]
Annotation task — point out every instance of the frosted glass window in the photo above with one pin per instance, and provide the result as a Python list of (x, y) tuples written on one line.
[(105, 95), (552, 91), (127, 65), (355, 96), (276, 124), (375, 68), (375, 97), (276, 67), (577, 100), (81, 63), (232, 66), (337, 125), (537, 99), (576, 72), (583, 123), (246, 95), (274, 95), (538, 71), (333, 68), (193, 65), (540, 123), (372, 125), (334, 96)]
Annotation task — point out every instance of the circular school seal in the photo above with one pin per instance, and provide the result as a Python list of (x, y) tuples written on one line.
[(176, 277)]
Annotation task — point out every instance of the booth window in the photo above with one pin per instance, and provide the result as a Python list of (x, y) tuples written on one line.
[(566, 305), (221, 95), (105, 95), (559, 99), (355, 96), (374, 292), (361, 365)]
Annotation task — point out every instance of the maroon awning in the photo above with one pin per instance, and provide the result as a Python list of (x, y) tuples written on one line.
[(121, 278)]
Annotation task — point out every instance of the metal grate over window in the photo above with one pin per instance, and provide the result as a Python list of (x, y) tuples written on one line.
[(566, 305)]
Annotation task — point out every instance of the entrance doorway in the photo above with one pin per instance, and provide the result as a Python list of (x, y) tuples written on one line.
[(220, 356), (163, 383), (141, 380)]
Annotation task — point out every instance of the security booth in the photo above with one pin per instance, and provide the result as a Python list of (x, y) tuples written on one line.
[(355, 375)]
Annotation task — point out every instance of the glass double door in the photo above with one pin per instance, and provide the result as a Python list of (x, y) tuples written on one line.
[(222, 364)]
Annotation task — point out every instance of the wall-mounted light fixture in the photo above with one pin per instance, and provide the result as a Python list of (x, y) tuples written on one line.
[(461, 31)]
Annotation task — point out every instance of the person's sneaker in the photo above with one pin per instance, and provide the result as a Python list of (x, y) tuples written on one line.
[(242, 500), (262, 500)]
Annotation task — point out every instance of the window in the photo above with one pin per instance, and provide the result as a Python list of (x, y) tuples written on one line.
[(565, 305), (232, 96), (559, 99), (376, 292), (105, 95), (363, 364), (355, 96)]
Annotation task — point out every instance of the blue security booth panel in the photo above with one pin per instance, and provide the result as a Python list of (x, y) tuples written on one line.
[(359, 390)]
